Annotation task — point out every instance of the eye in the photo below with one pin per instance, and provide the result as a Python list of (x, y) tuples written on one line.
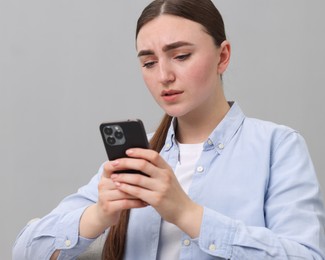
[(149, 64), (183, 57)]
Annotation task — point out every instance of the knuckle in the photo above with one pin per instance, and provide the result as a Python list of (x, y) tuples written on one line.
[(155, 156), (136, 192), (101, 185), (125, 204), (106, 167), (167, 178), (137, 179), (164, 190), (158, 199), (142, 165)]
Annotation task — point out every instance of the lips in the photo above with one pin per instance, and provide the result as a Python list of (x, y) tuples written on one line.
[(171, 96), (167, 93)]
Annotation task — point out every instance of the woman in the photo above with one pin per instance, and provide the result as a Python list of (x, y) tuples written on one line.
[(219, 185)]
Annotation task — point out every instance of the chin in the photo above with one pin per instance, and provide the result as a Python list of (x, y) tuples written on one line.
[(175, 110), (173, 113)]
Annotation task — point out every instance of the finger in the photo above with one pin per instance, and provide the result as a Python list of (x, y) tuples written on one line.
[(134, 179), (141, 165), (108, 168), (107, 189), (113, 195), (163, 185), (136, 191), (148, 155), (106, 184), (126, 204)]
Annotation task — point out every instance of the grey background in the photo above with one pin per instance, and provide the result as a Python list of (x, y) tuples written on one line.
[(66, 66)]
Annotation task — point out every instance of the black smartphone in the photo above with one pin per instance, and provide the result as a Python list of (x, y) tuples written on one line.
[(120, 136)]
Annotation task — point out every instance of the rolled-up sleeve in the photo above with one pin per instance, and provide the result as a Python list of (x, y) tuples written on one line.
[(58, 230)]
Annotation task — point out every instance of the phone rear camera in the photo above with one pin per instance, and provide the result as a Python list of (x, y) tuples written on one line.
[(113, 134), (108, 130), (118, 134), (111, 140)]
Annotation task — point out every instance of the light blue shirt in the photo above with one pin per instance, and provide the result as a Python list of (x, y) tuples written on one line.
[(258, 187)]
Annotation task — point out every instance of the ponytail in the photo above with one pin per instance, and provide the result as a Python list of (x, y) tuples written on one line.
[(115, 242)]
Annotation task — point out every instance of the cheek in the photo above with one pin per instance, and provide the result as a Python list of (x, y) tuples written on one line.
[(202, 73), (146, 79), (150, 83)]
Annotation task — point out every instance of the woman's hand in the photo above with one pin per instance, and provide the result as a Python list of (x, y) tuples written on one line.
[(160, 189), (106, 212)]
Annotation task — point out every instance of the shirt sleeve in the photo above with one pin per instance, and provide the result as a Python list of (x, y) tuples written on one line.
[(293, 208), (59, 229)]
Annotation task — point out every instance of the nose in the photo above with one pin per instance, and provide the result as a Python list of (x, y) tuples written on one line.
[(166, 73)]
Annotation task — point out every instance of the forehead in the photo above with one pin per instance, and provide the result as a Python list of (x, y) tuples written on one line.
[(166, 29)]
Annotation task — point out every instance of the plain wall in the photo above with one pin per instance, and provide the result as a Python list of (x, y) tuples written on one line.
[(67, 66)]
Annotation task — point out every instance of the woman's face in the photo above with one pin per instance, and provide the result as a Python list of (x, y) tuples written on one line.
[(180, 65)]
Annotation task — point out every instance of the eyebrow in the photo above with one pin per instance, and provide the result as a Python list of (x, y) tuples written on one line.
[(166, 48)]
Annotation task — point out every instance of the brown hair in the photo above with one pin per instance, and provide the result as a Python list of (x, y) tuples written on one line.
[(203, 12)]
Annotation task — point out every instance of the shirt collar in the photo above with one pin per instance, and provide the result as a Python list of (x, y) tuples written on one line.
[(226, 129)]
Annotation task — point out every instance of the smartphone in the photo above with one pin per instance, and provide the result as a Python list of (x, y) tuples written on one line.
[(120, 136)]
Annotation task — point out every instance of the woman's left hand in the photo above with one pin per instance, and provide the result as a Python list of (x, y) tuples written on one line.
[(160, 189)]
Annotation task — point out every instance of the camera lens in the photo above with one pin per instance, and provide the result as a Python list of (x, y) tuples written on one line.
[(111, 140), (118, 134), (108, 130)]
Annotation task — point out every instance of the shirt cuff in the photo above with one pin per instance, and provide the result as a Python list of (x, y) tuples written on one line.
[(67, 235), (217, 234), (78, 249)]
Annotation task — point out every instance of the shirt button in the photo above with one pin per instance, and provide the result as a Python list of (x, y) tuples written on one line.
[(167, 146), (200, 169), (212, 247), (210, 142), (186, 242), (67, 243), (221, 146)]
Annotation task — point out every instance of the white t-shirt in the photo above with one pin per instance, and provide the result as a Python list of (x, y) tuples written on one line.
[(170, 235)]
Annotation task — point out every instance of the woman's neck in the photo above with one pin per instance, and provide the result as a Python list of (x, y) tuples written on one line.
[(196, 127)]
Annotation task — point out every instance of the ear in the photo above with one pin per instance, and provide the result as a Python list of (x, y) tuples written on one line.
[(224, 51)]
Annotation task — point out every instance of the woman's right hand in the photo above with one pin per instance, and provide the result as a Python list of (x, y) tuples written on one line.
[(106, 212)]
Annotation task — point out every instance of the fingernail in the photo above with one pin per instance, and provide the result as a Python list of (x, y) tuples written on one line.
[(128, 152), (115, 163), (117, 184)]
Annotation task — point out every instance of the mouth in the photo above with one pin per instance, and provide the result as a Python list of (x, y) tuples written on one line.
[(168, 93)]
